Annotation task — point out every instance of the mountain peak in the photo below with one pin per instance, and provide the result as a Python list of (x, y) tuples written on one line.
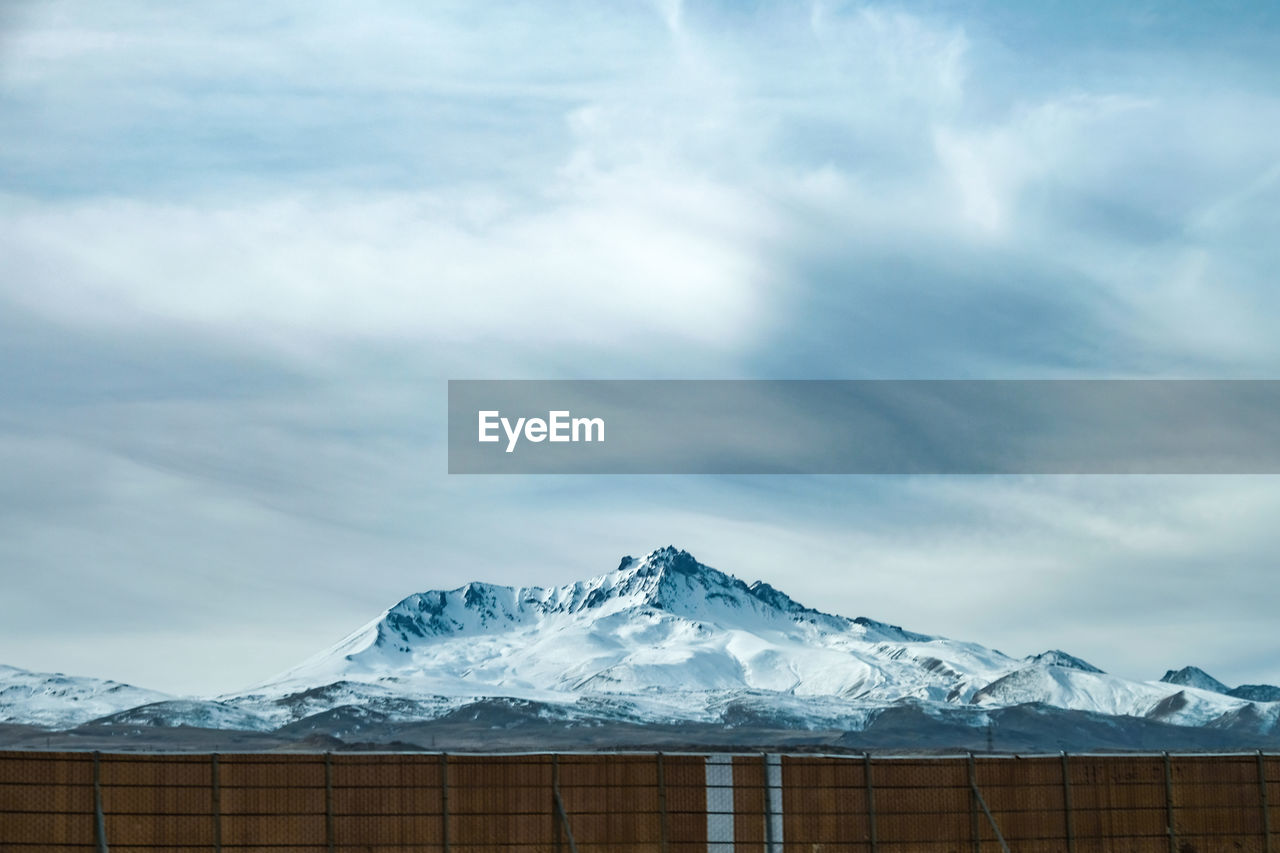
[(1057, 657), (676, 582), (667, 579), (1194, 676), (669, 559), (664, 637), (670, 577)]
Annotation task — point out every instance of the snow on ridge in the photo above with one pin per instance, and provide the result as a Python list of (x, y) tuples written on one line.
[(667, 629), (663, 638), (55, 700), (667, 580), (665, 622), (1057, 657), (1194, 676)]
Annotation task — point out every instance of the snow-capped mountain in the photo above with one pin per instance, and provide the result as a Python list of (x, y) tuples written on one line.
[(665, 632), (664, 641), (666, 638), (1194, 676), (57, 701)]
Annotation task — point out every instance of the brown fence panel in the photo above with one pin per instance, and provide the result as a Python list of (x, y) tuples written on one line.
[(500, 803), (825, 802), (273, 800), (611, 802), (1119, 803), (386, 802), (157, 801), (924, 804), (686, 803), (1217, 803), (638, 803), (1027, 800), (46, 801), (749, 804)]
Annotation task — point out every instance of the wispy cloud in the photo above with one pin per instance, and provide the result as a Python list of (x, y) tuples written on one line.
[(245, 246)]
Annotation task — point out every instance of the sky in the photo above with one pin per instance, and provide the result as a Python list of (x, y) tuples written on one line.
[(245, 245)]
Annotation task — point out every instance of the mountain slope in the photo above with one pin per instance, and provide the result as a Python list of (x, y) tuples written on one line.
[(58, 701), (660, 644), (656, 627), (666, 638), (1194, 676)]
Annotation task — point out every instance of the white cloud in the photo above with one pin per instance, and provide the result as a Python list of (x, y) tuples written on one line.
[(901, 54), (679, 260), (647, 189), (990, 167)]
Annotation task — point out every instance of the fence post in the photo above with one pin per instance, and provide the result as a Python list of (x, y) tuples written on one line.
[(215, 781), (766, 806), (1066, 804), (559, 806), (557, 833), (977, 794), (974, 829), (871, 801), (444, 800), (99, 820), (662, 804), (1168, 804), (328, 800), (1266, 810), (773, 827)]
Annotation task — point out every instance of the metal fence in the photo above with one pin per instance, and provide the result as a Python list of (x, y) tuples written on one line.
[(666, 803)]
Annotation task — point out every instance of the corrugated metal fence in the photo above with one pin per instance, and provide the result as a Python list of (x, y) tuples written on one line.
[(580, 803)]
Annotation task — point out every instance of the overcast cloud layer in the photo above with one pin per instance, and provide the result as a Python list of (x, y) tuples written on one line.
[(243, 249)]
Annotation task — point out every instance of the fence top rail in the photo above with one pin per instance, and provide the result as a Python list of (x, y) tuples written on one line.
[(282, 757)]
